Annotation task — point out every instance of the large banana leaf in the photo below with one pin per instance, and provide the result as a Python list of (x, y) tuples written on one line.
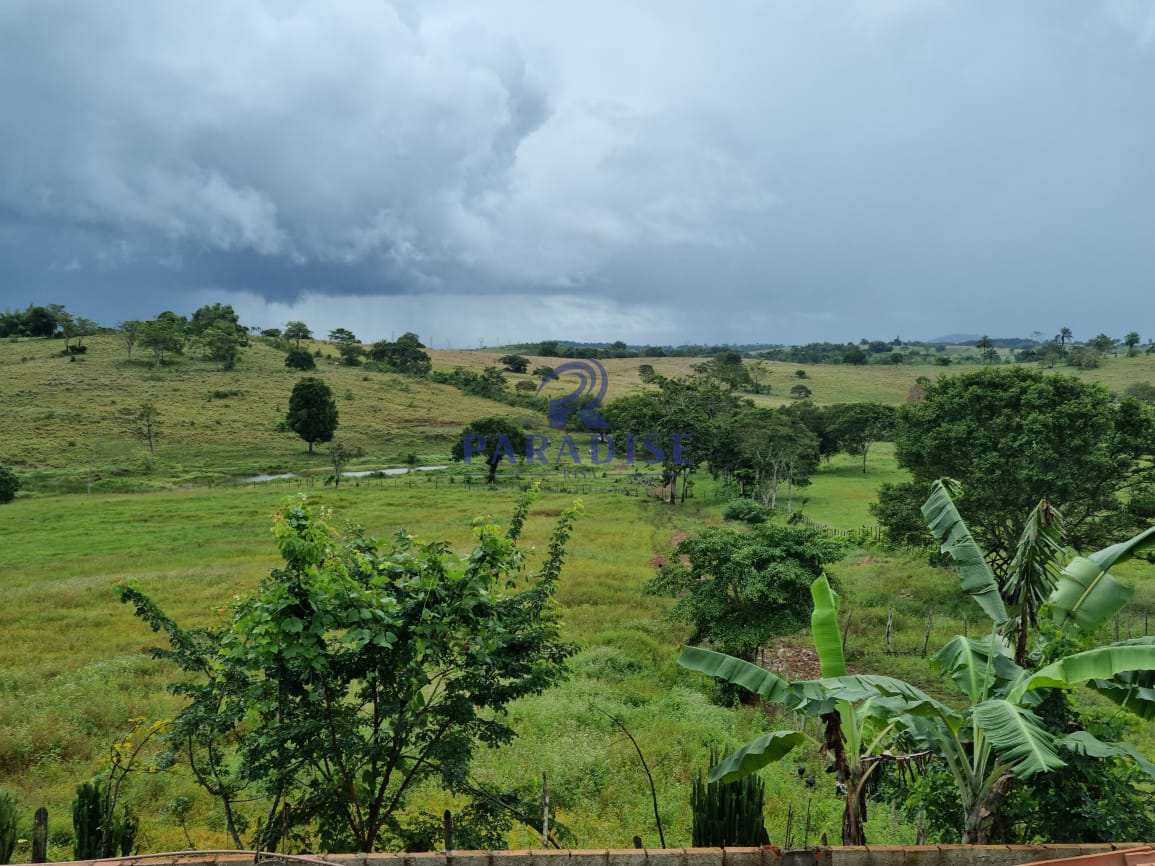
[(756, 754), (977, 665), (1017, 737), (733, 670), (1101, 663), (1132, 690), (1083, 743), (1035, 568), (1087, 593), (955, 540), (859, 688), (824, 629)]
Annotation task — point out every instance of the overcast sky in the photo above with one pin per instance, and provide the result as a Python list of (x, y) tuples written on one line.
[(661, 171)]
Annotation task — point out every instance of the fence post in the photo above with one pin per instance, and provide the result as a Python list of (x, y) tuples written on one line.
[(929, 626), (40, 836)]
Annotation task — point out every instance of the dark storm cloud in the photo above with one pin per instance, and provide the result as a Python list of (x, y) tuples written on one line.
[(653, 171)]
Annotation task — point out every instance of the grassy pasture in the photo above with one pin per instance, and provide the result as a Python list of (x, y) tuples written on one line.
[(72, 670)]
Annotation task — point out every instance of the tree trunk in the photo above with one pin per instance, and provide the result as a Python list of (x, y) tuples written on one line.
[(492, 477), (981, 818), (310, 447)]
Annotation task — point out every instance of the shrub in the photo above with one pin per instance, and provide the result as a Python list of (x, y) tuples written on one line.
[(9, 484), (728, 814), (747, 511), (300, 359), (1144, 391)]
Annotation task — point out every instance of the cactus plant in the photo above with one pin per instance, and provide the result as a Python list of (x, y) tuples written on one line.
[(728, 814), (7, 826), (99, 831)]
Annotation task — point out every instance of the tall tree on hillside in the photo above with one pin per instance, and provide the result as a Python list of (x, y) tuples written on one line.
[(148, 425), (129, 333), (163, 336), (312, 411), (297, 331)]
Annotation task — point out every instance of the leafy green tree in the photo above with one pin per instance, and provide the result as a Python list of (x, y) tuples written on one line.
[(129, 332), (514, 363), (1104, 344), (223, 343), (147, 419), (359, 671), (9, 485), (407, 355), (312, 411), (74, 329), (494, 439), (776, 448), (857, 426), (1064, 336), (300, 359), (298, 331), (163, 336), (801, 392), (1015, 436), (727, 369), (854, 355), (1131, 340), (342, 335), (215, 315), (738, 589), (339, 456)]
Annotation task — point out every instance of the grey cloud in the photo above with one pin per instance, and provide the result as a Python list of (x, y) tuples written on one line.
[(758, 170)]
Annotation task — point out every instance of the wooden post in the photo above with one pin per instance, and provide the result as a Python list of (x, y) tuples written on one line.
[(40, 836), (637, 841), (889, 628), (545, 810), (929, 626), (450, 843)]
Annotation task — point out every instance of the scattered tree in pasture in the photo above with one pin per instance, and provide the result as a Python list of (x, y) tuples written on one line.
[(129, 333), (271, 333), (74, 329), (1015, 436), (801, 392), (1131, 340), (406, 355), (351, 353), (857, 426), (342, 335), (544, 372), (339, 456), (213, 316), (300, 359), (360, 671), (9, 485), (1064, 336), (163, 336), (312, 411), (646, 373), (514, 363), (1104, 344), (727, 369), (223, 343), (738, 589), (526, 386), (297, 331), (776, 448), (494, 440), (148, 425), (854, 355)]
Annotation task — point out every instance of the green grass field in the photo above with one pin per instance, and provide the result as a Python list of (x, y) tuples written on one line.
[(72, 666)]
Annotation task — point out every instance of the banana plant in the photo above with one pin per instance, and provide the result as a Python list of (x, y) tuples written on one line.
[(857, 732), (1083, 594), (994, 740)]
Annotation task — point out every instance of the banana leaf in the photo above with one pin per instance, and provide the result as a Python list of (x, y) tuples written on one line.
[(955, 540), (1087, 593), (975, 667), (1083, 743), (1101, 663), (733, 670), (815, 695), (1018, 737), (756, 754), (824, 629)]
